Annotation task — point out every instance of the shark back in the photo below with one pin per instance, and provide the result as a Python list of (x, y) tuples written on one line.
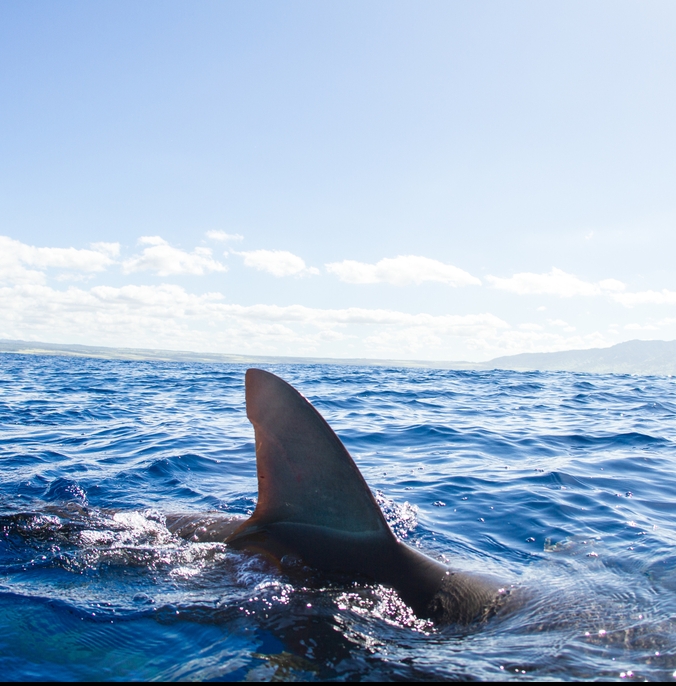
[(313, 503), (305, 474)]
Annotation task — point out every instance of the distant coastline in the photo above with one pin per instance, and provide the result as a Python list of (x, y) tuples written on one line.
[(40, 348), (631, 357)]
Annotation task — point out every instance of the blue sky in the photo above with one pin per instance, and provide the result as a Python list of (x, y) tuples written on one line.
[(422, 180)]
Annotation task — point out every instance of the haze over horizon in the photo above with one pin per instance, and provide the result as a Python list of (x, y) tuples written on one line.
[(428, 181)]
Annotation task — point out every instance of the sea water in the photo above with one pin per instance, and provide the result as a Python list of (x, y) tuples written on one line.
[(562, 485)]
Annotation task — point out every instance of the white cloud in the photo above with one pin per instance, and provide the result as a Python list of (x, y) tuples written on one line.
[(152, 240), (459, 325), (168, 316), (224, 237), (22, 263), (165, 260), (515, 341), (277, 262), (663, 297), (560, 323), (662, 324), (667, 321), (401, 271), (641, 327), (109, 249), (556, 282), (611, 286)]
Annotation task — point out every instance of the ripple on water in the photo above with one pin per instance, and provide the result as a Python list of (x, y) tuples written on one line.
[(561, 484)]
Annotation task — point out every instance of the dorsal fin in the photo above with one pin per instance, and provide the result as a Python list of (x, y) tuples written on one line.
[(305, 474)]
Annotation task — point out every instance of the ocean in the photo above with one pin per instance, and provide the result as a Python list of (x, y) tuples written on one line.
[(562, 485)]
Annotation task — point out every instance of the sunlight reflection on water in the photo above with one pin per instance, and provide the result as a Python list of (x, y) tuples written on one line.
[(561, 484)]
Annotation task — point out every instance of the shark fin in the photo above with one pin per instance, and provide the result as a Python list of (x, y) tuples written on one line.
[(305, 474)]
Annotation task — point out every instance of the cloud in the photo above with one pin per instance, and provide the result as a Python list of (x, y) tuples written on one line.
[(224, 237), (277, 263), (560, 323), (641, 327), (460, 325), (161, 258), (152, 240), (110, 249), (22, 263), (515, 341), (556, 282), (663, 297), (401, 271), (652, 325), (167, 316)]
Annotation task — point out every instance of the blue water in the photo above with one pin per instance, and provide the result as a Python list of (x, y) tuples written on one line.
[(561, 484)]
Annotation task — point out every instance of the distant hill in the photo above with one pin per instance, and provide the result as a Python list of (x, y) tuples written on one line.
[(39, 348), (632, 357)]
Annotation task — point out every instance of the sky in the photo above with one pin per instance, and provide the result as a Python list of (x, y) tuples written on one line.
[(409, 180)]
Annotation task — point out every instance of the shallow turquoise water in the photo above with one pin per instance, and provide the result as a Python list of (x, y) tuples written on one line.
[(561, 484)]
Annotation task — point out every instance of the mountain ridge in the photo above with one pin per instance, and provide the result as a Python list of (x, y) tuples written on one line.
[(629, 357)]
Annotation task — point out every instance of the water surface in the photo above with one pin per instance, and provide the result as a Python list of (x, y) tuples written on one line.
[(561, 484)]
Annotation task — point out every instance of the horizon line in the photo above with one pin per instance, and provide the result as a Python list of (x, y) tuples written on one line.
[(22, 346)]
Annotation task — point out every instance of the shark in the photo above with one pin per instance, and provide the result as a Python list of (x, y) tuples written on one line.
[(315, 506)]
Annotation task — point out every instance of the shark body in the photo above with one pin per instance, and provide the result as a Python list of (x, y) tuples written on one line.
[(314, 504)]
